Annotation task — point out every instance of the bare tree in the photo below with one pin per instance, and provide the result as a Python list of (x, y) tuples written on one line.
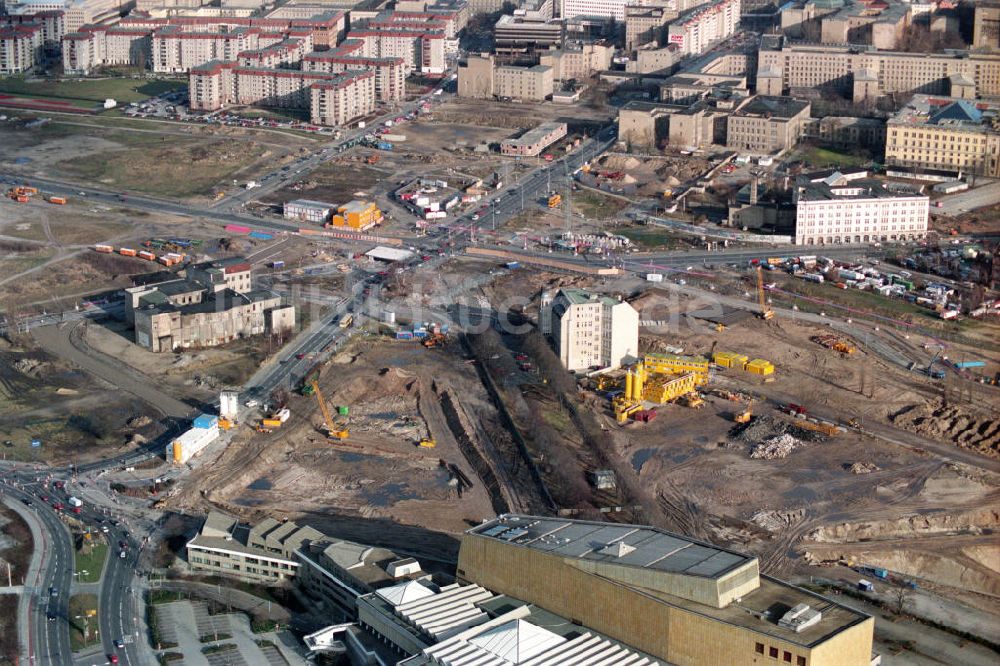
[(899, 595)]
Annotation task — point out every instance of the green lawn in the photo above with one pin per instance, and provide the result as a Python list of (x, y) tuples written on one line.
[(651, 237), (281, 115), (91, 90), (83, 621), (825, 157), (93, 561)]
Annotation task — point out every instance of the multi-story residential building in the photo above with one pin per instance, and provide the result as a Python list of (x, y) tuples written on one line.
[(646, 24), (860, 72), (767, 124), (944, 136), (422, 50), (986, 25), (696, 30), (260, 554), (390, 73), (578, 61), (590, 330), (333, 99), (614, 9), (98, 45), (20, 47), (831, 209), (882, 26)]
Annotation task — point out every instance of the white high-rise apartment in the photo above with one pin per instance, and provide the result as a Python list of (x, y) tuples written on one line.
[(593, 330)]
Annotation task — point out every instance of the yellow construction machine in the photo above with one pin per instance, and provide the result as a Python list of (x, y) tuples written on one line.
[(766, 313), (746, 414), (334, 430), (693, 400), (427, 443)]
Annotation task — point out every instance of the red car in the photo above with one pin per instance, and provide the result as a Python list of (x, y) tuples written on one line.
[(113, 658), (58, 506), (77, 510)]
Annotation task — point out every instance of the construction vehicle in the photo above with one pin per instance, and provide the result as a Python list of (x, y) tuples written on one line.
[(334, 430), (426, 443), (692, 400), (264, 431), (555, 199), (372, 159), (719, 328), (766, 313), (226, 424), (835, 343), (270, 423), (434, 340), (746, 415)]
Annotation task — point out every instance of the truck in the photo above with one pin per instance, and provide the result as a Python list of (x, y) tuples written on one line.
[(73, 501), (654, 277), (346, 320), (511, 265)]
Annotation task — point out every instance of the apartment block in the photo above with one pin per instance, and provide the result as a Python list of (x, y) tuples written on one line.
[(863, 72), (480, 77), (95, 46), (390, 73), (422, 50), (831, 209), (578, 61), (260, 554), (590, 330), (767, 124), (20, 48), (696, 30), (944, 135), (986, 25)]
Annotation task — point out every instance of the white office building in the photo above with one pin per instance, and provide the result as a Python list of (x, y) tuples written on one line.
[(839, 208)]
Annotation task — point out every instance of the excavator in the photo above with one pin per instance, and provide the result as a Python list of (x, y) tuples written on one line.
[(766, 313), (334, 430), (746, 414)]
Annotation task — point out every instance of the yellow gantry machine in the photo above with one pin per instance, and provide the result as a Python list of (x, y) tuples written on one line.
[(660, 378)]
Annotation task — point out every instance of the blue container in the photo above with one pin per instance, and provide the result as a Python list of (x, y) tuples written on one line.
[(404, 335), (206, 421), (260, 235), (420, 335)]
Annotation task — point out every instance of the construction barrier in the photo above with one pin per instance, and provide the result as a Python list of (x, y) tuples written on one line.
[(351, 236)]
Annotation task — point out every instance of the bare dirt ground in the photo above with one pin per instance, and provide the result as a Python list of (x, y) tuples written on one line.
[(72, 414), (397, 393)]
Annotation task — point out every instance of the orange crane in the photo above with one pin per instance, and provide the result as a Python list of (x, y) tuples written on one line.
[(333, 430), (766, 313)]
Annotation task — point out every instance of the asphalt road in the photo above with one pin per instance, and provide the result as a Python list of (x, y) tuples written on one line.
[(956, 204)]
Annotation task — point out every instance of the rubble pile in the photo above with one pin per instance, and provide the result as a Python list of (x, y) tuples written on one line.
[(774, 521), (864, 468), (774, 448)]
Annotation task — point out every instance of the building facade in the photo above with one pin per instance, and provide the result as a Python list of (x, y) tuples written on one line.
[(534, 141), (579, 61), (986, 25), (695, 31), (481, 77), (644, 25), (767, 124), (390, 73), (943, 134), (838, 209), (678, 600), (591, 330)]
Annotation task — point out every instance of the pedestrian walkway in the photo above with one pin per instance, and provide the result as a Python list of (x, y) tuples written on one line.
[(35, 566)]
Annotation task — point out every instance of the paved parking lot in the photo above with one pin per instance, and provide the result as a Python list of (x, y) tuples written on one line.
[(186, 623)]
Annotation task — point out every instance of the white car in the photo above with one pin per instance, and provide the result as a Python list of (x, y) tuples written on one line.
[(251, 403)]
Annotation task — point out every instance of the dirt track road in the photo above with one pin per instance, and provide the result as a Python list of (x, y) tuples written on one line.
[(66, 342)]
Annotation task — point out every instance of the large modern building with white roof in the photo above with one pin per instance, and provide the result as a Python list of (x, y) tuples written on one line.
[(671, 598)]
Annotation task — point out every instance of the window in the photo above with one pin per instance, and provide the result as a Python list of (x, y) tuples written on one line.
[(800, 661), (788, 656), (772, 652), (759, 648)]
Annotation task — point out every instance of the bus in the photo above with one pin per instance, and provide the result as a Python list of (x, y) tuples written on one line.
[(346, 320)]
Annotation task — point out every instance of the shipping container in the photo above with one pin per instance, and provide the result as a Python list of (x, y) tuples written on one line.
[(104, 249), (654, 277), (190, 444), (127, 252), (404, 335), (206, 421), (148, 256), (271, 423), (759, 366), (61, 201), (725, 359)]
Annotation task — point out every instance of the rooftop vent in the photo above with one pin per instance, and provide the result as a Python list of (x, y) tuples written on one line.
[(617, 549), (800, 618)]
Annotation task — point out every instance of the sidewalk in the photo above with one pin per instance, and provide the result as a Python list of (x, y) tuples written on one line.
[(35, 566)]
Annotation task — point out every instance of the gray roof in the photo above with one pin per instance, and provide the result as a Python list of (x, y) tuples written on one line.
[(625, 545)]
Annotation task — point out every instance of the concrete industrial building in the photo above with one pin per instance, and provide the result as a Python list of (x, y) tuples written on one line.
[(516, 37), (644, 25), (986, 25), (678, 600), (838, 208), (695, 31), (863, 73), (944, 136), (578, 61), (767, 124), (213, 305), (481, 77), (591, 330), (534, 141)]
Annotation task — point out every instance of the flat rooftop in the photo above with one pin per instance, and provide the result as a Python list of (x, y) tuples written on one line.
[(625, 545), (773, 107), (536, 134), (948, 112)]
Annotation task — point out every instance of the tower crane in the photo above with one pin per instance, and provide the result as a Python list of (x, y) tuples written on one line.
[(333, 430), (766, 313)]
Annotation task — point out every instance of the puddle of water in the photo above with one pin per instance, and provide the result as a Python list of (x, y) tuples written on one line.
[(640, 458), (388, 494), (261, 484)]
